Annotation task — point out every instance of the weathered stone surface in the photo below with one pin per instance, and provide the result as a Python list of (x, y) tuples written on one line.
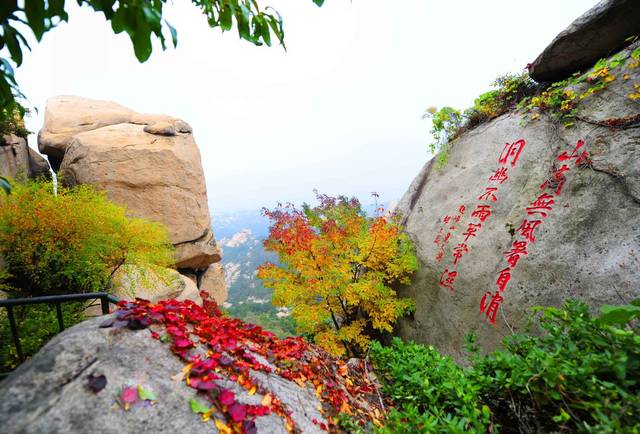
[(587, 247), (149, 163), (18, 159), (213, 281), (66, 116), (49, 394), (198, 253), (38, 165), (131, 282), (598, 33), (158, 178)]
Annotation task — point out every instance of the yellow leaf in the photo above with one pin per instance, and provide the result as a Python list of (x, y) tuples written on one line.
[(266, 400), (223, 427), (253, 390)]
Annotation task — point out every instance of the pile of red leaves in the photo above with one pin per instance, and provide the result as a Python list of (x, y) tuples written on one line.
[(214, 347)]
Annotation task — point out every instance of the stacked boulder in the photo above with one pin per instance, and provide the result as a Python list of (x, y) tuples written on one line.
[(147, 163)]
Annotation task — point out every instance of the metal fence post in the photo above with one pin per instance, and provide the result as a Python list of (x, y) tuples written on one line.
[(104, 302), (60, 319), (14, 333)]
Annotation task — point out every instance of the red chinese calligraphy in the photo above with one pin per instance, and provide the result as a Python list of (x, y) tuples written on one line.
[(503, 279), (500, 175), (541, 205), (491, 309), (482, 212), (518, 250), (557, 180), (446, 219), (511, 150), (488, 194), (459, 251), (472, 228), (436, 240), (580, 158), (527, 229), (448, 278), (439, 256)]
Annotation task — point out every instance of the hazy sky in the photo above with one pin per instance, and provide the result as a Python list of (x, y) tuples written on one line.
[(339, 111)]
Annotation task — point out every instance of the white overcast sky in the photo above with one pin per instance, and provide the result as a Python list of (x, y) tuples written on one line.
[(339, 111)]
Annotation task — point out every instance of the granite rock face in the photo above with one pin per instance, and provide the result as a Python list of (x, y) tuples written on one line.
[(18, 159), (213, 281), (586, 246), (48, 394), (598, 33), (148, 163)]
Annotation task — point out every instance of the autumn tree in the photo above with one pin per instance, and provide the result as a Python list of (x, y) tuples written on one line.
[(140, 20), (336, 267)]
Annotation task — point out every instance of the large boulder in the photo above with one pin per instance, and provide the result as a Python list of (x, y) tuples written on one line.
[(213, 281), (65, 116), (148, 163), (600, 32), (52, 392), (586, 246), (18, 159)]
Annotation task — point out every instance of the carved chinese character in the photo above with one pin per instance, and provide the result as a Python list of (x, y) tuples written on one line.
[(447, 278), (557, 180), (446, 219), (491, 309), (482, 212), (488, 194), (541, 205), (518, 250), (439, 256), (459, 250), (527, 229), (500, 175), (462, 209), (512, 150), (581, 158), (447, 236), (503, 279), (472, 228), (436, 241)]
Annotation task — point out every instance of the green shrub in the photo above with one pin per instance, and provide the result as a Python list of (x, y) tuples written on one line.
[(580, 374), (73, 241), (432, 393), (36, 324), (448, 123)]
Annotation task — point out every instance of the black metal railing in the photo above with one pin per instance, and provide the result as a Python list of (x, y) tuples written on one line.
[(56, 300)]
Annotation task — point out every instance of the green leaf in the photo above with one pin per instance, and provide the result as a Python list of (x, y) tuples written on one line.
[(618, 314), (34, 10), (145, 394), (318, 2), (174, 34), (7, 7), (197, 406), (13, 45), (226, 18)]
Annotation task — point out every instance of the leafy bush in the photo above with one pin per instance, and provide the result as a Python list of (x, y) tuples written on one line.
[(581, 374), (432, 393), (335, 269), (448, 123), (12, 120), (73, 241)]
